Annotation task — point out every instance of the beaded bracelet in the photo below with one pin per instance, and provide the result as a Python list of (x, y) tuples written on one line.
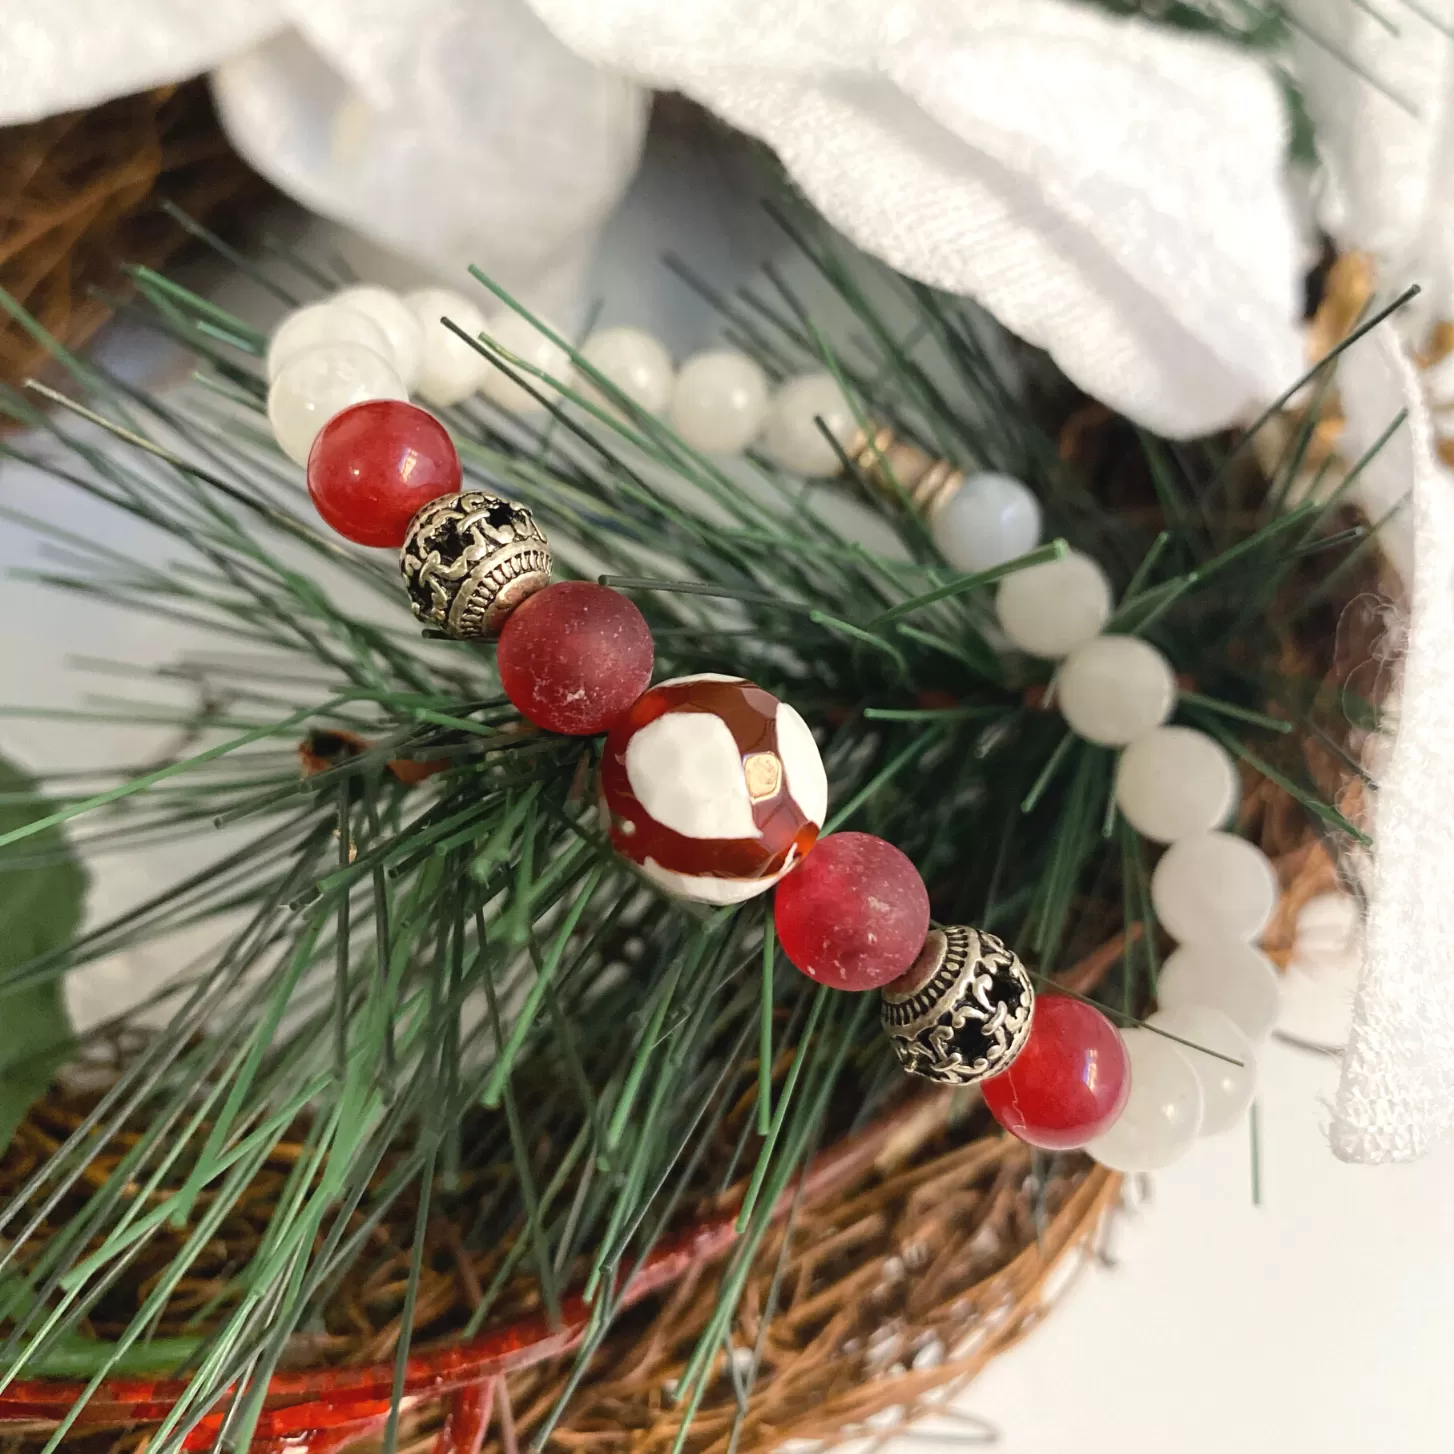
[(715, 790)]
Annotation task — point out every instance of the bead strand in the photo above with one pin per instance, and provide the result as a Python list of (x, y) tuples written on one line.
[(1212, 891), (366, 343), (722, 403), (716, 790)]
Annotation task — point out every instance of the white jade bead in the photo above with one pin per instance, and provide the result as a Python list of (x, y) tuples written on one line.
[(1163, 1112), (310, 389), (635, 361), (1226, 975), (449, 369), (719, 401), (790, 435), (1213, 886), (1048, 610), (988, 520), (521, 338), (1115, 689), (317, 324), (1175, 782), (392, 315), (1227, 1089)]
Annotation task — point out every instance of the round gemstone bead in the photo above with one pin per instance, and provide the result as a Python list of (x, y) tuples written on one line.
[(1175, 782), (574, 657), (311, 388), (1070, 1081), (719, 401), (791, 436), (989, 519), (1227, 1088), (521, 338), (1225, 975), (1163, 1112), (1213, 886), (1048, 610), (450, 370), (635, 362), (395, 319), (374, 466), (713, 787), (855, 915), (1115, 689), (320, 323)]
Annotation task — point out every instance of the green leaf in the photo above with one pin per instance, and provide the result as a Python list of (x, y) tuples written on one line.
[(42, 891)]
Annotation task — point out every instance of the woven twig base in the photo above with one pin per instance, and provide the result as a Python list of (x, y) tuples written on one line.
[(80, 194)]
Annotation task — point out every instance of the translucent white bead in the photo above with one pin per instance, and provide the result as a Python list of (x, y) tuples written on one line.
[(392, 315), (988, 520), (1175, 782), (1225, 975), (1163, 1113), (1115, 689), (520, 337), (791, 437), (1048, 610), (311, 388), (719, 401), (1227, 1089), (635, 361), (449, 369), (1213, 886), (320, 323)]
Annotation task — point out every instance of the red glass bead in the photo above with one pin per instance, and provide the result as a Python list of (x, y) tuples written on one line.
[(1069, 1082), (375, 465), (574, 657), (714, 787), (854, 916)]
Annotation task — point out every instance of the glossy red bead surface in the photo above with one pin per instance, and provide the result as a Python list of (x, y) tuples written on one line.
[(375, 465), (854, 914), (1069, 1083), (574, 657)]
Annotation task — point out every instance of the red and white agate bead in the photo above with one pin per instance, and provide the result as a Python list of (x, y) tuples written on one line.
[(713, 787)]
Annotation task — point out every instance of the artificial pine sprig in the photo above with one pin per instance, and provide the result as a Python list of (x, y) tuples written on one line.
[(439, 979)]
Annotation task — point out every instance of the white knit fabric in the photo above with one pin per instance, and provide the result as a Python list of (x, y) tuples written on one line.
[(442, 132), (1396, 1095), (1382, 98), (1109, 189)]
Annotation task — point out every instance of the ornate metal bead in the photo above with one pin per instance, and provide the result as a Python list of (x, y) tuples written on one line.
[(887, 462), (961, 1013), (470, 559)]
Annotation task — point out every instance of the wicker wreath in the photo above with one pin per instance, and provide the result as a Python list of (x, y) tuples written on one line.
[(83, 192), (906, 1258)]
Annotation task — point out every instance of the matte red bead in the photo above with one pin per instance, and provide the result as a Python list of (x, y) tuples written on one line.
[(1069, 1083), (574, 657), (854, 914), (375, 465)]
